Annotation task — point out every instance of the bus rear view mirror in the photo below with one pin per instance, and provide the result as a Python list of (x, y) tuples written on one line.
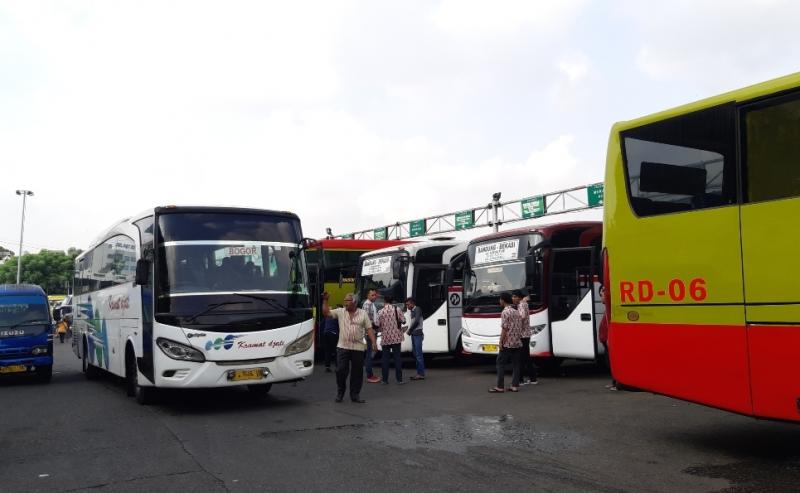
[(142, 272)]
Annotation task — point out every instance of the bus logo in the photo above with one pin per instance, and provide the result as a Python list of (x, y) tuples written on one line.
[(219, 343)]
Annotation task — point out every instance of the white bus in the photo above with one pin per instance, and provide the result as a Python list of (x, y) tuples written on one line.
[(557, 267), (188, 297), (431, 273)]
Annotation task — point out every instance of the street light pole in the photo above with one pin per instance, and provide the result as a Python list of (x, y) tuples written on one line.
[(495, 205), (25, 194)]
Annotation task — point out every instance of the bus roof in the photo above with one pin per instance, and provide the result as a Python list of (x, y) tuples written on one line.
[(755, 91), (114, 229), (355, 245), (21, 289), (546, 230), (413, 248)]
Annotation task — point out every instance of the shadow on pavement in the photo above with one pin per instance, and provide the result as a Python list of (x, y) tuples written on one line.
[(766, 455)]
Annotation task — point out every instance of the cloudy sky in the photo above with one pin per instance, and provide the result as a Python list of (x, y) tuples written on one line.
[(352, 114)]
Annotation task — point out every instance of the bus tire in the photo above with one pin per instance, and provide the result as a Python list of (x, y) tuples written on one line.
[(143, 395), (259, 390), (91, 372), (44, 373), (548, 364), (458, 353)]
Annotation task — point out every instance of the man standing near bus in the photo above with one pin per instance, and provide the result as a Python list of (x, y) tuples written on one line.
[(417, 336), (510, 343), (527, 369), (354, 329), (372, 313)]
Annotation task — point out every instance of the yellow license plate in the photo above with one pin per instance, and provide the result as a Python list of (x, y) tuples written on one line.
[(489, 348), (13, 369), (248, 374)]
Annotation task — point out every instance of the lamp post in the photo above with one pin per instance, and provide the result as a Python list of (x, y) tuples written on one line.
[(25, 194), (495, 204)]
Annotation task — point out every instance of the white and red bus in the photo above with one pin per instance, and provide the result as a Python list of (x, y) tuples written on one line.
[(557, 267)]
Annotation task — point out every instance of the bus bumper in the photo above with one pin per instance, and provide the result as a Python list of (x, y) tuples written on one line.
[(185, 374), (479, 344), (30, 364)]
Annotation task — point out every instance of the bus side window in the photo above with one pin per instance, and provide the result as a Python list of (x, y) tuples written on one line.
[(772, 151), (682, 164)]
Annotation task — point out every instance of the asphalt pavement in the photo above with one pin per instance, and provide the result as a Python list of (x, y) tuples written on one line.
[(447, 433)]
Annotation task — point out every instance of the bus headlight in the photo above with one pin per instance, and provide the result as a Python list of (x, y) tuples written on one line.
[(38, 350), (182, 352), (535, 329), (301, 345), (465, 332)]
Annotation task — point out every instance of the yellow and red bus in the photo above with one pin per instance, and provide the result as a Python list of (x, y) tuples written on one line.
[(701, 257), (332, 267)]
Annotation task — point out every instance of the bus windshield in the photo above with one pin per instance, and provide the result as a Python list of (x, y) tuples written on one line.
[(17, 311), (211, 259), (497, 266), (385, 273)]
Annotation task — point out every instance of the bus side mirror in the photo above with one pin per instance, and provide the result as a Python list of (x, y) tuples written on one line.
[(142, 272)]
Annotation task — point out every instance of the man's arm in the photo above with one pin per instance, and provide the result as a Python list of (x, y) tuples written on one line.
[(416, 319), (370, 332), (504, 325)]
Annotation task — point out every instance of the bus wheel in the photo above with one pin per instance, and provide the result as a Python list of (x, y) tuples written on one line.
[(260, 390), (143, 395), (44, 373), (548, 364), (91, 372), (459, 356)]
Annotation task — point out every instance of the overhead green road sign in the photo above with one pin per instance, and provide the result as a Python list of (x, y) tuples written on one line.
[(416, 228), (347, 237), (533, 207), (380, 234), (465, 220), (595, 193)]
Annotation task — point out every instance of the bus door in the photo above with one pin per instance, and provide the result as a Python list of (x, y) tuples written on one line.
[(572, 303), (771, 132), (455, 295), (316, 286), (430, 293)]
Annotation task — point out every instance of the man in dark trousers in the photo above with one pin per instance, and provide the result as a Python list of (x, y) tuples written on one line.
[(528, 370), (330, 338), (510, 344), (354, 329), (415, 331)]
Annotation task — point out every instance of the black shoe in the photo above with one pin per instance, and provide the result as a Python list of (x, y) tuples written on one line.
[(339, 397), (358, 400)]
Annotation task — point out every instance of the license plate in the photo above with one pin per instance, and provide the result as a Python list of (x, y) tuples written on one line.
[(248, 374), (13, 369), (489, 348)]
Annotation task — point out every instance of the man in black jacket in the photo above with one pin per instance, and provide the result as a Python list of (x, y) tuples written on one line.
[(415, 331)]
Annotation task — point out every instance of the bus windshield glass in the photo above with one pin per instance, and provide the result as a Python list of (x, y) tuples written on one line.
[(385, 273), (20, 311), (497, 266), (212, 258)]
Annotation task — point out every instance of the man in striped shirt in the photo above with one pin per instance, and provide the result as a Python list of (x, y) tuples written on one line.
[(510, 344), (354, 329)]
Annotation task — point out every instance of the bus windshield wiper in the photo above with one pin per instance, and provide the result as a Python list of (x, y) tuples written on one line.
[(214, 307), (269, 301), (31, 321)]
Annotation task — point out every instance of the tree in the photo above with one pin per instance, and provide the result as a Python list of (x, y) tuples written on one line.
[(50, 269)]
